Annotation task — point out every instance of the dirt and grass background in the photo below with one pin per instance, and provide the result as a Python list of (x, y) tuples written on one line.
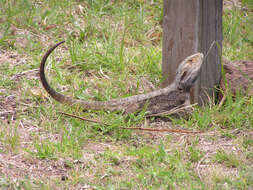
[(113, 49)]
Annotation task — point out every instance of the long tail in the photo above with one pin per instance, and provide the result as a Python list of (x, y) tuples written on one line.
[(57, 96)]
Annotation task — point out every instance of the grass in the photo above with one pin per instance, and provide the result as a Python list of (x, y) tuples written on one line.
[(112, 49)]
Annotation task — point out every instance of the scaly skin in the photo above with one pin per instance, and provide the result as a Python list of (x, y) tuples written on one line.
[(157, 101)]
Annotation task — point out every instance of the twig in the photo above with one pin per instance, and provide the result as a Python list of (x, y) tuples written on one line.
[(209, 50), (222, 100), (136, 128), (84, 119), (6, 162), (4, 112), (173, 110), (23, 73), (201, 160), (102, 73), (163, 130)]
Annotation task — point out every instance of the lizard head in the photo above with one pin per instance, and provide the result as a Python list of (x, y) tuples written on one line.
[(188, 71)]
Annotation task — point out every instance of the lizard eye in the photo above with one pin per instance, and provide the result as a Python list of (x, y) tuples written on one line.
[(182, 77), (182, 101)]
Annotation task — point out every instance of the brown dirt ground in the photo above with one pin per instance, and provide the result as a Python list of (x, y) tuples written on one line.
[(17, 165)]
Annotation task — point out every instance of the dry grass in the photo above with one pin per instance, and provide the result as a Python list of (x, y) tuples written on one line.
[(40, 148)]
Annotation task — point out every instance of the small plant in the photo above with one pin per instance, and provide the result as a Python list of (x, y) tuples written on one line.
[(44, 150), (195, 154), (229, 160), (12, 138), (247, 143)]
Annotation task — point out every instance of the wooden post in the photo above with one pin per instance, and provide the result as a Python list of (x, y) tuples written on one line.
[(191, 26)]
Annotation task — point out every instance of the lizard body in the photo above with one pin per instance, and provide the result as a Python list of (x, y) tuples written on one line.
[(156, 101)]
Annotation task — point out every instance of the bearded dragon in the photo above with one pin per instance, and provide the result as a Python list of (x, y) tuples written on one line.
[(158, 101)]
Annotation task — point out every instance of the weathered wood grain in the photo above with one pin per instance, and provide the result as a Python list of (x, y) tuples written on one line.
[(191, 26)]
